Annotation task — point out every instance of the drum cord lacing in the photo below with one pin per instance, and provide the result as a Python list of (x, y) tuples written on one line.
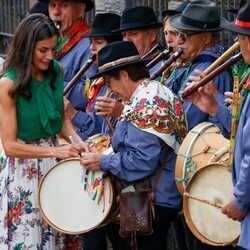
[(190, 164)]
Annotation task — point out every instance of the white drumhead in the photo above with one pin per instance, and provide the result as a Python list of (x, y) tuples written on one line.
[(213, 183), (66, 205)]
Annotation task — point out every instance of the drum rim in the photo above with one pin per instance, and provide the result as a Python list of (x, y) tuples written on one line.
[(186, 148), (47, 220), (187, 215)]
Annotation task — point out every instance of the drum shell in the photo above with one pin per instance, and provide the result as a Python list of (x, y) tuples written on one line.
[(63, 184), (201, 146), (211, 182)]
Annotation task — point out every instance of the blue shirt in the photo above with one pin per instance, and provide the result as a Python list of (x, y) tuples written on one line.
[(88, 123), (72, 62), (179, 77), (138, 154), (241, 172)]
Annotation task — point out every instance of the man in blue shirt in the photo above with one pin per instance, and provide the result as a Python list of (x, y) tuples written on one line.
[(73, 48), (239, 207), (198, 26)]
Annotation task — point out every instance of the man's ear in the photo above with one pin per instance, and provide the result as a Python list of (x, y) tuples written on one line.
[(153, 35), (124, 73), (81, 10)]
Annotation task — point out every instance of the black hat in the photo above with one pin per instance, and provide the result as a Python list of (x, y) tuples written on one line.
[(39, 7), (89, 4), (234, 11), (242, 22), (177, 10), (139, 17), (199, 15), (117, 55), (103, 24)]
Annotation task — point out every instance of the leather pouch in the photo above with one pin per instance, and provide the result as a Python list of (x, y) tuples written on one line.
[(136, 210)]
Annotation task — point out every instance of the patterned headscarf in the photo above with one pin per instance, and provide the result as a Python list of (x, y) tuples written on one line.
[(155, 109)]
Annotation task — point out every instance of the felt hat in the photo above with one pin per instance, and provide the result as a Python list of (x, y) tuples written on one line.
[(39, 7), (103, 24), (117, 55), (199, 15), (241, 25), (138, 17), (89, 4), (177, 10)]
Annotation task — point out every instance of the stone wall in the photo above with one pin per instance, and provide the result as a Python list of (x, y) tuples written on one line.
[(115, 6)]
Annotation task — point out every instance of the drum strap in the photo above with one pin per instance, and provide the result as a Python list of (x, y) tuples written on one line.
[(157, 179)]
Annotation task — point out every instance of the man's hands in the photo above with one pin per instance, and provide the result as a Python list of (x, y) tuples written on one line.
[(108, 107)]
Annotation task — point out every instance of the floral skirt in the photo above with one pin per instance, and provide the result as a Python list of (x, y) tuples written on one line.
[(21, 225)]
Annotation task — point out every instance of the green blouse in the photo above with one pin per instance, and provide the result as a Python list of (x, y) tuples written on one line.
[(40, 116)]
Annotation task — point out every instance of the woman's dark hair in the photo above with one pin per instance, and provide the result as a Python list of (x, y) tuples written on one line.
[(135, 72), (32, 29)]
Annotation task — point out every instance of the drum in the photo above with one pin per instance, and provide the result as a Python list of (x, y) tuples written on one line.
[(100, 143), (210, 184), (67, 206), (203, 144)]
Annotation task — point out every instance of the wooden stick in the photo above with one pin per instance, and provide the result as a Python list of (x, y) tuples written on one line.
[(106, 118), (223, 57), (215, 204), (82, 70), (243, 81), (211, 76)]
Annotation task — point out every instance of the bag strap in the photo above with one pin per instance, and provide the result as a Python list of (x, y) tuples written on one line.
[(157, 179)]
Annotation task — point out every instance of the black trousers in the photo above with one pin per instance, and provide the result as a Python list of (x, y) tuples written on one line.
[(95, 239), (156, 241)]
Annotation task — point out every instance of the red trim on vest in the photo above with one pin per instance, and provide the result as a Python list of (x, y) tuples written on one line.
[(242, 24)]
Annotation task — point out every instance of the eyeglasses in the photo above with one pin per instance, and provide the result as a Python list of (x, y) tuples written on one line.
[(184, 36), (107, 80)]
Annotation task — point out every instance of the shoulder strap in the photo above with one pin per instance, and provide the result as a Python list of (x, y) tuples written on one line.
[(160, 171)]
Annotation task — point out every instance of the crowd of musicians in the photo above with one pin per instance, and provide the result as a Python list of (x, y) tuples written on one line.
[(133, 89)]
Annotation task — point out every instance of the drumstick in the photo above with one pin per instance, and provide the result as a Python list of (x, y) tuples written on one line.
[(215, 204)]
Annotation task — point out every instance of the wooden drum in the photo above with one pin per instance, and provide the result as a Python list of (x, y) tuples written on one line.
[(71, 201), (210, 184), (203, 144), (67, 207)]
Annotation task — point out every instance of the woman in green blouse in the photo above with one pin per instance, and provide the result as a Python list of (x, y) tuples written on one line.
[(31, 115)]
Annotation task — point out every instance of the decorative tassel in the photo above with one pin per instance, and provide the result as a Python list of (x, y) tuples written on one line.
[(87, 85)]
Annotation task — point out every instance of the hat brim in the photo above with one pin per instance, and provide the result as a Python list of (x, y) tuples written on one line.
[(176, 23), (103, 34), (237, 29), (89, 4), (122, 65), (169, 13), (234, 11), (139, 26)]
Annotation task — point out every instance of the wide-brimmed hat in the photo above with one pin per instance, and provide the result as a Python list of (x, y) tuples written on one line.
[(242, 21), (39, 7), (117, 55), (139, 17), (177, 10), (199, 15), (89, 4), (103, 24), (233, 10)]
